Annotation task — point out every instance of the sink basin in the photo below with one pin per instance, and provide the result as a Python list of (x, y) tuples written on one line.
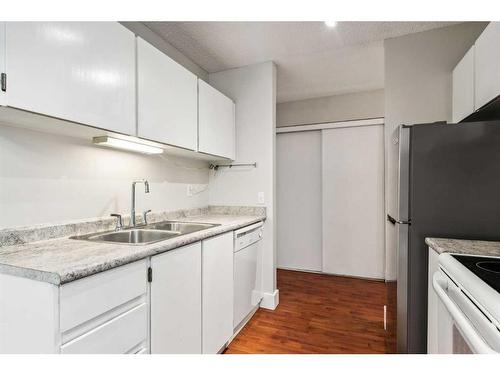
[(130, 236), (147, 234), (180, 227)]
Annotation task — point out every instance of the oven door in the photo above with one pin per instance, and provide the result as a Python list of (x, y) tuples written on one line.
[(456, 333)]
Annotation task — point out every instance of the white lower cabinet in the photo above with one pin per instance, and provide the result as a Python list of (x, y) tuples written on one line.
[(28, 316), (186, 308), (119, 335), (104, 313), (83, 300), (176, 301), (217, 292)]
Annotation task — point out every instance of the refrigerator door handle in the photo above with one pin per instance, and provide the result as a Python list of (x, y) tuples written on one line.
[(394, 221)]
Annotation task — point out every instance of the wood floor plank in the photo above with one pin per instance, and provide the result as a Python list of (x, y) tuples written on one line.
[(319, 314)]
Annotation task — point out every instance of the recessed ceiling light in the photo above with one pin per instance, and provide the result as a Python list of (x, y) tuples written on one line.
[(126, 145), (331, 23)]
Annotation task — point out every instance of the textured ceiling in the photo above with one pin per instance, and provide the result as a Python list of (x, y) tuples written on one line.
[(313, 60)]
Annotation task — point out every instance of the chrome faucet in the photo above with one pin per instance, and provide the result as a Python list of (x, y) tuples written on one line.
[(119, 223), (146, 190)]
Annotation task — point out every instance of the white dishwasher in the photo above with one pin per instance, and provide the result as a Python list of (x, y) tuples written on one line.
[(247, 271)]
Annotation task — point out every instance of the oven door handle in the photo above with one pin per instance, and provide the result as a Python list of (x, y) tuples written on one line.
[(470, 334)]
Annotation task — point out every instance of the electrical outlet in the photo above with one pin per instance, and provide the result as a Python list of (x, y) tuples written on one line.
[(260, 197), (190, 190)]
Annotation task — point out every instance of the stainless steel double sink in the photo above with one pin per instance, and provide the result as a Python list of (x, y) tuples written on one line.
[(147, 234)]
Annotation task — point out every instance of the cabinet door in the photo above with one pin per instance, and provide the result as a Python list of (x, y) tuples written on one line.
[(217, 292), (176, 301), (78, 71), (487, 71), (167, 97), (216, 122), (463, 87)]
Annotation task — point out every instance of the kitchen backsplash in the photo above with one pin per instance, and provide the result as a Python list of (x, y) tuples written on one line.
[(40, 232)]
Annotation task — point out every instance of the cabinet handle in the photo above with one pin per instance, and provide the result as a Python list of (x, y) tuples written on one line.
[(150, 274)]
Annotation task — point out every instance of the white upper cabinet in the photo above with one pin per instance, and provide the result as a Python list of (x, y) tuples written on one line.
[(487, 68), (463, 87), (78, 71), (167, 99), (216, 122)]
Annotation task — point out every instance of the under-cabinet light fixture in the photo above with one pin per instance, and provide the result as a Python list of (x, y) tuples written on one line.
[(331, 23), (126, 145)]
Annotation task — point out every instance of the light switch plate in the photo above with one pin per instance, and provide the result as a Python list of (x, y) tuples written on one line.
[(260, 197)]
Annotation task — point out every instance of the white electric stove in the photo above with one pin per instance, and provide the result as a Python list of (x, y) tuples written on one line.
[(468, 288)]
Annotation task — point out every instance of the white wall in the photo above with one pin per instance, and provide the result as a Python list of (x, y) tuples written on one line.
[(49, 178), (254, 90), (355, 106), (418, 78)]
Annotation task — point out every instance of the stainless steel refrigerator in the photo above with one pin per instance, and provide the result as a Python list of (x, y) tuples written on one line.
[(449, 187)]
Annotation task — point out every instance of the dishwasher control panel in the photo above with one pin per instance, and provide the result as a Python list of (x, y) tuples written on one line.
[(247, 236)]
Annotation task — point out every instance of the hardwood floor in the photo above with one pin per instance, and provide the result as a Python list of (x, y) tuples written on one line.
[(319, 314)]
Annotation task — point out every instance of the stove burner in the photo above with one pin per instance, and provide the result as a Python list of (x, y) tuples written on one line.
[(489, 266)]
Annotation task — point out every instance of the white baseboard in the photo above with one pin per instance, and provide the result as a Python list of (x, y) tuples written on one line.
[(332, 274), (270, 300)]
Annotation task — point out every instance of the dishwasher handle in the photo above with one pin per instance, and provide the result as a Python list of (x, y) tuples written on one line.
[(248, 229)]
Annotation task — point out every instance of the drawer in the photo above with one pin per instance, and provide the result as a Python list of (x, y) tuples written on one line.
[(92, 296), (116, 336)]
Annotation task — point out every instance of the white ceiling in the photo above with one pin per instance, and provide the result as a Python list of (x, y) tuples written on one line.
[(313, 60)]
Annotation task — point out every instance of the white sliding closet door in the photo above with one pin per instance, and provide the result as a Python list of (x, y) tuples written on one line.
[(353, 201), (298, 187)]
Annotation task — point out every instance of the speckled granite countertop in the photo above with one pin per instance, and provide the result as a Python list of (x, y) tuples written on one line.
[(63, 260), (449, 245)]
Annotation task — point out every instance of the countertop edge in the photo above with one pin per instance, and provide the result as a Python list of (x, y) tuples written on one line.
[(430, 241), (153, 249), (29, 273), (464, 246)]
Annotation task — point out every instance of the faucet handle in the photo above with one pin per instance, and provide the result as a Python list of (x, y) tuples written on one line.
[(119, 223), (145, 216)]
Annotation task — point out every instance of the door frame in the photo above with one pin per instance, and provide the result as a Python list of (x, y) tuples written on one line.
[(331, 125)]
